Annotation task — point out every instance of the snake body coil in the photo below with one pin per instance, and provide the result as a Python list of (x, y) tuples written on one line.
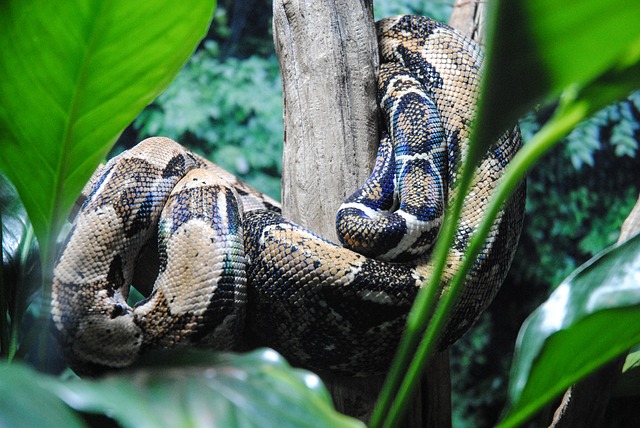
[(228, 261)]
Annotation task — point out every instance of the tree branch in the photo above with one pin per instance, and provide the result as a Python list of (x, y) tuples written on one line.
[(328, 55)]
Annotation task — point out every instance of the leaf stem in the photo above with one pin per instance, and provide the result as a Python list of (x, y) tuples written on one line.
[(421, 310), (565, 119)]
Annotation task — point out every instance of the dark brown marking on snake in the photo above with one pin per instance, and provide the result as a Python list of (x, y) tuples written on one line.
[(230, 294), (234, 224), (142, 218), (273, 208), (96, 186), (425, 72), (118, 311), (175, 167), (115, 276)]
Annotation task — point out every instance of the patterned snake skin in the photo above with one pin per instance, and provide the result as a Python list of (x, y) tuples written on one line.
[(227, 262)]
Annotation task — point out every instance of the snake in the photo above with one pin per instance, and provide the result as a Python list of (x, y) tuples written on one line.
[(218, 263)]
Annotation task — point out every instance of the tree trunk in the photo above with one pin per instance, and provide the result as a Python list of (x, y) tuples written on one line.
[(328, 56), (468, 18)]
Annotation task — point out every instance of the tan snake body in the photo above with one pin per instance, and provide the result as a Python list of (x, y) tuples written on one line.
[(228, 262)]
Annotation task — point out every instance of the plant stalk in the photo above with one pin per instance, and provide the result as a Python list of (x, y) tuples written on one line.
[(423, 307), (395, 395)]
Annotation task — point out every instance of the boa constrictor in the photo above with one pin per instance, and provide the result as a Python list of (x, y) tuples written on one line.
[(227, 261)]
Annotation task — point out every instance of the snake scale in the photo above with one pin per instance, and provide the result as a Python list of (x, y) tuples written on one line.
[(228, 264)]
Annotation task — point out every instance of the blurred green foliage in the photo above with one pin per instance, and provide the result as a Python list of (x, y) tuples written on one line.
[(229, 111), (616, 127), (577, 199), (436, 9), (579, 196), (226, 103)]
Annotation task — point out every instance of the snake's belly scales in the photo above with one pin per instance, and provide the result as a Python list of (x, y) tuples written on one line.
[(228, 263)]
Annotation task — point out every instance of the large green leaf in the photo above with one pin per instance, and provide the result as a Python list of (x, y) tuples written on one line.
[(538, 48), (629, 382), (73, 75), (536, 51), (199, 389), (176, 389), (25, 403), (592, 317)]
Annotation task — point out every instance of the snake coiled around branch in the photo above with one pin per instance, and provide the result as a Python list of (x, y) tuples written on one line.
[(227, 262)]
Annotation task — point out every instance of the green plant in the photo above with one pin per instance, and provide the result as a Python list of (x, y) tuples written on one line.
[(550, 42), (190, 389), (437, 9), (228, 110), (621, 121), (81, 73), (547, 39)]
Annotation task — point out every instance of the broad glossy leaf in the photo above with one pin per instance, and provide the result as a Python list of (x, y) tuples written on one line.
[(26, 403), (538, 48), (199, 389), (73, 75), (629, 382), (20, 261), (592, 317)]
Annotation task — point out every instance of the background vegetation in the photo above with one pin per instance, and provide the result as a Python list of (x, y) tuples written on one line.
[(226, 104)]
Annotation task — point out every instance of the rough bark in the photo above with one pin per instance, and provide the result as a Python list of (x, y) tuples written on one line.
[(468, 17), (328, 57), (585, 403)]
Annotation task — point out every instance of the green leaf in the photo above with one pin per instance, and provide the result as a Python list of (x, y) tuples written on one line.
[(26, 403), (176, 389), (629, 383), (199, 389), (538, 48), (73, 75), (20, 271), (592, 317), (632, 362)]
